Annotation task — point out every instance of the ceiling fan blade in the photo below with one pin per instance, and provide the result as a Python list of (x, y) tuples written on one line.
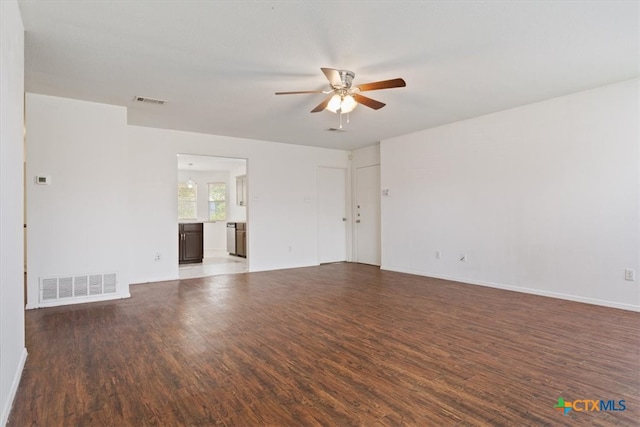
[(295, 93), (384, 84), (333, 76), (322, 105), (371, 103)]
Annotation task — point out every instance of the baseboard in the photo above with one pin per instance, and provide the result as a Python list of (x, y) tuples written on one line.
[(155, 280), (253, 269), (72, 301), (558, 295), (6, 410)]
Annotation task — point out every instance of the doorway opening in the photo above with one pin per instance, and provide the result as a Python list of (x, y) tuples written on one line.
[(211, 191)]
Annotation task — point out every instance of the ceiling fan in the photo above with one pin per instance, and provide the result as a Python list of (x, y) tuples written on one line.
[(343, 97)]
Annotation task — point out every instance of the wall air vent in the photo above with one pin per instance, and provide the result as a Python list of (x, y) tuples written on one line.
[(149, 100), (76, 287)]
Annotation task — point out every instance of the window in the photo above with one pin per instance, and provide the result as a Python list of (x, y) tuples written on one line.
[(187, 201), (217, 201)]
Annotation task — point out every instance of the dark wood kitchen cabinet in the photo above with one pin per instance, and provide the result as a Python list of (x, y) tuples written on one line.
[(190, 243), (241, 239)]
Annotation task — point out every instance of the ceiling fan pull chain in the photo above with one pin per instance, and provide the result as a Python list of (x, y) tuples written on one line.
[(340, 120)]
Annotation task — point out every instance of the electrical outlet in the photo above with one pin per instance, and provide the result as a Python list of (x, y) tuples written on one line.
[(463, 257), (629, 274), (157, 257)]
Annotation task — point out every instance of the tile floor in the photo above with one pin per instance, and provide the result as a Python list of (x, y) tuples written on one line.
[(219, 263)]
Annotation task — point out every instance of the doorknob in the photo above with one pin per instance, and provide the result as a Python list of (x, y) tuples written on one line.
[(358, 221), (344, 219)]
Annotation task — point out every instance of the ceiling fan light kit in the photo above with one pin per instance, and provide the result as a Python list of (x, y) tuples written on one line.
[(343, 97), (341, 103)]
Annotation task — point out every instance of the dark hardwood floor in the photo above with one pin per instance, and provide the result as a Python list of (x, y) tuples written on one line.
[(340, 344)]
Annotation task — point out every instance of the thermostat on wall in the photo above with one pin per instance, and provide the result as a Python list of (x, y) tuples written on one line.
[(43, 180)]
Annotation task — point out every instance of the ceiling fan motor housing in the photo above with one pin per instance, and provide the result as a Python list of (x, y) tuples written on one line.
[(346, 77)]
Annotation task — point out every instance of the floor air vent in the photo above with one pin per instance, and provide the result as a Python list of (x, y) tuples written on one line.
[(71, 287)]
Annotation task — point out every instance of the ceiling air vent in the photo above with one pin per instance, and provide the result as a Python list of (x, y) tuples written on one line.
[(149, 100)]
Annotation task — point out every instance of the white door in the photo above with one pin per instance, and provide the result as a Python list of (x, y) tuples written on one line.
[(332, 226), (367, 227)]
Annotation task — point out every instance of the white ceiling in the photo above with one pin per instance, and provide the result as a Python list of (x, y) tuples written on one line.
[(218, 63)]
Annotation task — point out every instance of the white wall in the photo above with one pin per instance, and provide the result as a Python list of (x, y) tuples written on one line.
[(543, 198), (12, 343), (79, 224), (367, 156), (112, 202), (281, 211)]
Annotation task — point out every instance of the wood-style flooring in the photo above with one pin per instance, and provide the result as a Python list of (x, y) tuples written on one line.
[(339, 344)]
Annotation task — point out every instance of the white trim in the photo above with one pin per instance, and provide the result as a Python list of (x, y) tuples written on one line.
[(83, 300), (160, 280), (538, 292), (14, 389), (278, 267)]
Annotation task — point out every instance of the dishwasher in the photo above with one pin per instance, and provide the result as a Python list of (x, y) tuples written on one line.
[(231, 238)]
